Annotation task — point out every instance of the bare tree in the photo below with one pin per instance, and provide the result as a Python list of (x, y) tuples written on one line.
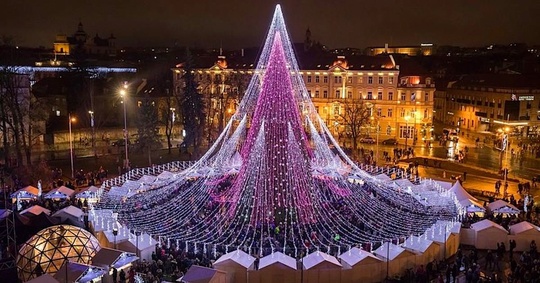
[(355, 115)]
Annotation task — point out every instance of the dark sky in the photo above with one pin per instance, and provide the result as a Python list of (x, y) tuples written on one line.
[(243, 23)]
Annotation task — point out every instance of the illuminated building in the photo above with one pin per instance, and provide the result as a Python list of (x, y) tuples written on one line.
[(424, 49), (481, 103), (395, 94)]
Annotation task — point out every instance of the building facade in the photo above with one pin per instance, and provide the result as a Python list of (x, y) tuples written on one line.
[(82, 42), (401, 106), (492, 102)]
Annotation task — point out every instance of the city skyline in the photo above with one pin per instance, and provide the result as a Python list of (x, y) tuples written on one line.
[(200, 24)]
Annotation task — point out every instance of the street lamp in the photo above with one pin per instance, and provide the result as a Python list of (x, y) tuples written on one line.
[(115, 233), (406, 130), (173, 119), (70, 121), (377, 140), (123, 93), (93, 131), (506, 146)]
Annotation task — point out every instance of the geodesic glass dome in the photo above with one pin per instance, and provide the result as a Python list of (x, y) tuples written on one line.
[(46, 251)]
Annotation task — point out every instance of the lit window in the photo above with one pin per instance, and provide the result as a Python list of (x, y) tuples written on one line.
[(390, 80)]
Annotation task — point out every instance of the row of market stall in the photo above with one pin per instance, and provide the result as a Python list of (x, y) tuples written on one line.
[(31, 193)]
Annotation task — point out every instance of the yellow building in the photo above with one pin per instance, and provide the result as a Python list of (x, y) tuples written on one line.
[(401, 105), (487, 103), (424, 49)]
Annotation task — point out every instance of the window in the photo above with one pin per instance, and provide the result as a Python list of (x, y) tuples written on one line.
[(316, 94), (309, 92), (381, 79), (370, 95), (379, 112), (428, 81), (349, 80), (370, 80), (308, 79), (402, 113), (426, 96), (403, 96), (379, 95), (325, 79), (425, 113), (337, 79), (325, 94), (413, 96), (360, 80), (317, 79), (405, 132), (360, 95), (390, 80), (390, 110), (391, 96), (349, 94), (337, 93)]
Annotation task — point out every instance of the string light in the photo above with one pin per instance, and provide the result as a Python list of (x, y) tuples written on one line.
[(276, 180)]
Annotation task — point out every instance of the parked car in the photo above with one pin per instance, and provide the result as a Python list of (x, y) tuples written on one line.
[(390, 142), (367, 140), (120, 142)]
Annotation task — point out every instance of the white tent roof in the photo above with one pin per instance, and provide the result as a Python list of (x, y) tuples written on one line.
[(277, 258), (391, 254), (355, 256), (404, 183), (471, 205), (522, 227), (417, 244), (316, 258), (36, 210), (60, 192), (484, 224), (237, 256), (199, 274), (147, 179), (70, 210), (26, 190), (165, 175), (453, 227), (145, 241), (123, 235), (87, 192), (111, 257), (445, 185), (460, 192), (501, 206), (383, 177), (131, 184)]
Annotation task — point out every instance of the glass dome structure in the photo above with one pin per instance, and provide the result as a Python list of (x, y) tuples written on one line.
[(46, 251)]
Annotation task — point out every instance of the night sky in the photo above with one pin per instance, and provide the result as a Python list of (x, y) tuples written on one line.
[(243, 23)]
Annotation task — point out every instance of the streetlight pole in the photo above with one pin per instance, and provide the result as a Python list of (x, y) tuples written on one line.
[(91, 112), (123, 93), (406, 131), (71, 120)]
